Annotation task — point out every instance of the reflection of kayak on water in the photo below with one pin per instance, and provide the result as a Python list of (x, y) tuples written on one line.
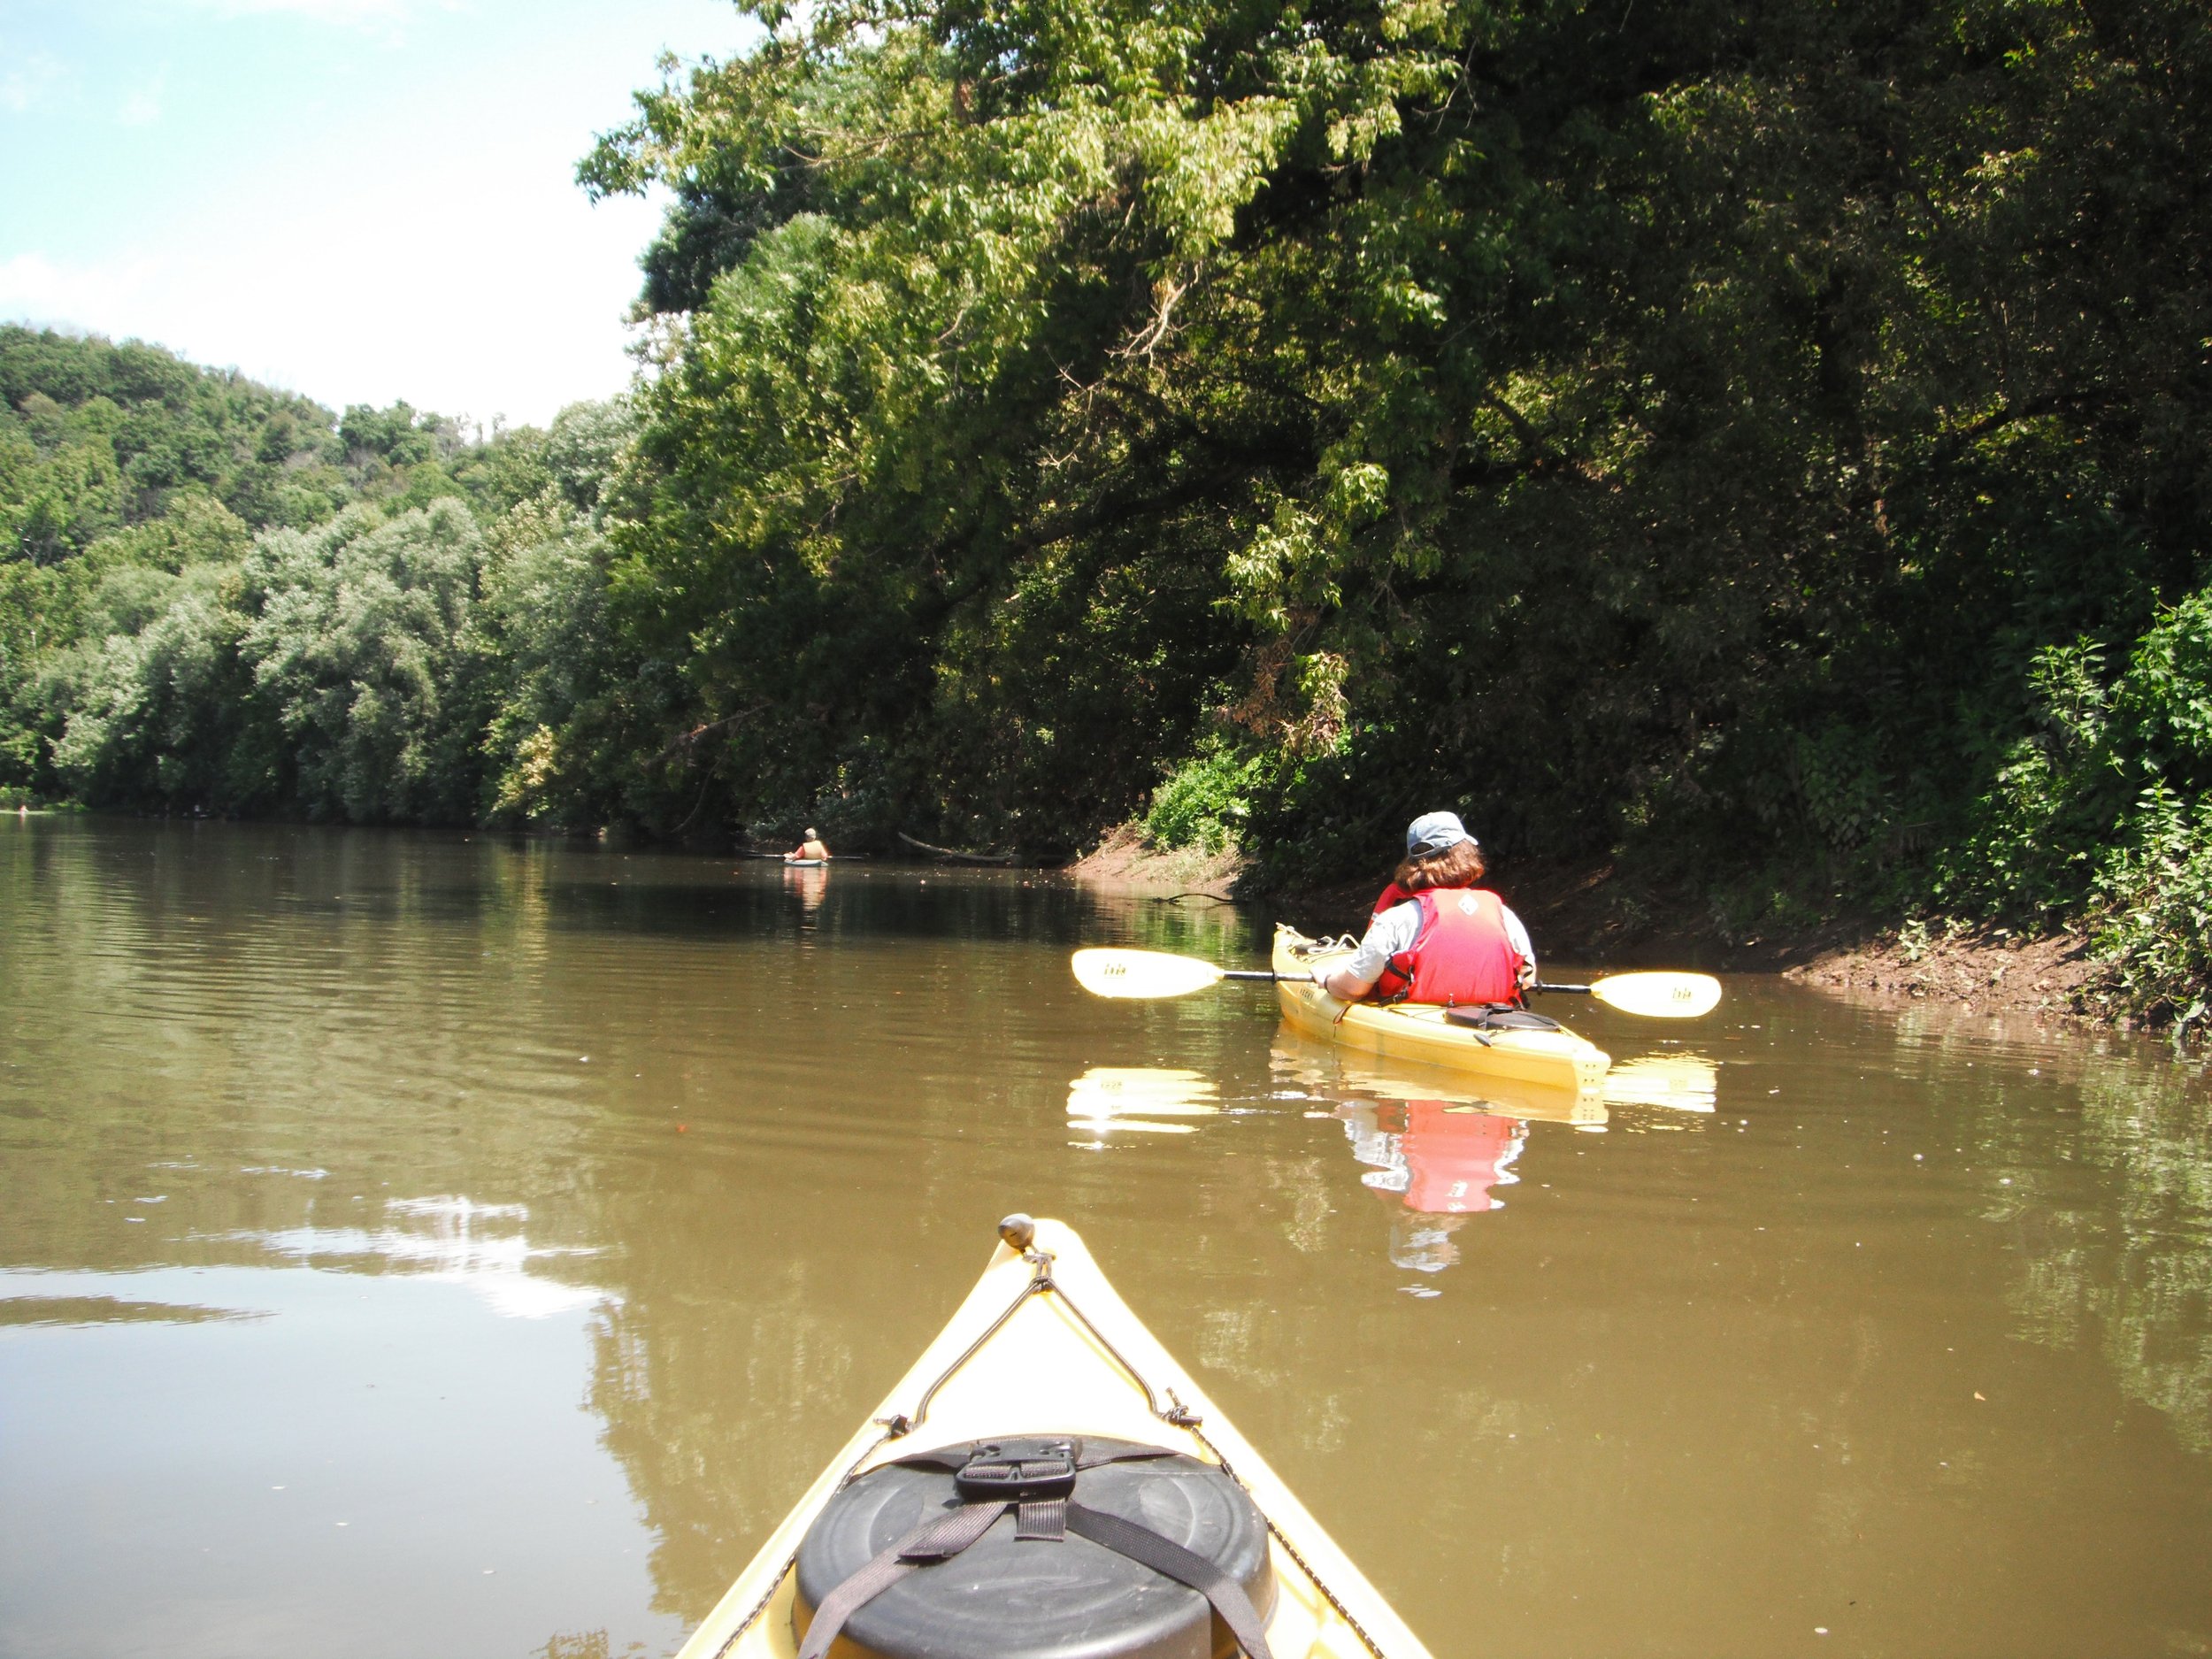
[(1678, 1082), (1438, 1150), (1338, 1073)]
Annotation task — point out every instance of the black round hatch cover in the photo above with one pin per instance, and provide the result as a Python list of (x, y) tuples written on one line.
[(1008, 1598)]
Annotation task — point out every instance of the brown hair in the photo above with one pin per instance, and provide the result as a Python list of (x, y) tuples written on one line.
[(1459, 867)]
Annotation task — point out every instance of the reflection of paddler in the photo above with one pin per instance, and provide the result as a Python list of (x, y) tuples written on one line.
[(1454, 1157), (1423, 1244), (1441, 1166), (1445, 1160), (813, 884)]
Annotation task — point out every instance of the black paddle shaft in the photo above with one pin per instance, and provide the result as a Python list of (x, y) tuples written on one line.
[(1307, 979)]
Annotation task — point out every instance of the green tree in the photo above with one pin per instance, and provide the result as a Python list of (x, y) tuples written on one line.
[(361, 653), (576, 721), (149, 704)]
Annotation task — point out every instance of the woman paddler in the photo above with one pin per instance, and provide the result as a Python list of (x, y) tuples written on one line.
[(1435, 936), (811, 848)]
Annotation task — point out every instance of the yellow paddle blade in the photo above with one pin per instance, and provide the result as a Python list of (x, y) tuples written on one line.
[(1659, 995), (1105, 972)]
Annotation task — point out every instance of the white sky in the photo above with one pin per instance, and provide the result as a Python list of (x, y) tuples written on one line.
[(361, 200)]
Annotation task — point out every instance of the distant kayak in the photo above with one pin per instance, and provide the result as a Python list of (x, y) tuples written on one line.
[(804, 864), (1525, 1049), (1048, 1483)]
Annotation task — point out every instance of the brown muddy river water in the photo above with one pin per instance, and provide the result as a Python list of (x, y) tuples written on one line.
[(435, 1245)]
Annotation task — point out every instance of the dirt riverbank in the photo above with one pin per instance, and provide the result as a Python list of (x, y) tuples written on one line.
[(1992, 971), (1123, 860)]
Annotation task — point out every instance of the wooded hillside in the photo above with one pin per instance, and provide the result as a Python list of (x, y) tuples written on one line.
[(221, 598)]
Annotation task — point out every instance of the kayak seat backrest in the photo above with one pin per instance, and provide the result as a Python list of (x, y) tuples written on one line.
[(1501, 1017)]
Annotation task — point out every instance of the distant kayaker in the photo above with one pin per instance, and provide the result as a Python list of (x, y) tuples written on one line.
[(1435, 936), (811, 848)]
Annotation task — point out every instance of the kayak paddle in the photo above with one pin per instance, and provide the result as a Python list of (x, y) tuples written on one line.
[(1654, 996), (1155, 974)]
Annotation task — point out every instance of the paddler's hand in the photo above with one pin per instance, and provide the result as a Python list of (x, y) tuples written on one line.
[(1343, 986)]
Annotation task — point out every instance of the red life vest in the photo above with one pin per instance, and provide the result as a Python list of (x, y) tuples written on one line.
[(1461, 954), (1391, 896)]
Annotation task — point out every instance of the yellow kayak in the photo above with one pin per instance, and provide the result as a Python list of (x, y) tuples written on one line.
[(1425, 1033), (1044, 1347)]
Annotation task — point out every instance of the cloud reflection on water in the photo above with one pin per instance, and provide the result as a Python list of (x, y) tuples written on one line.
[(449, 1240)]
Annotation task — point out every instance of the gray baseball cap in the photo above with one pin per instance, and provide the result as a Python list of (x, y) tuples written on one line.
[(1434, 832)]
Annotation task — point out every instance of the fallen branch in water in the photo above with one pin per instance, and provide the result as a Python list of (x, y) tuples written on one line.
[(950, 852)]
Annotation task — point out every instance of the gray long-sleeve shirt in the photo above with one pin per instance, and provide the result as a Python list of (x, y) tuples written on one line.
[(1396, 929)]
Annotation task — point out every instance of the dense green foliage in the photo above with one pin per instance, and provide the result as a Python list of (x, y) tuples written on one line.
[(2110, 793), (367, 619), (1734, 440)]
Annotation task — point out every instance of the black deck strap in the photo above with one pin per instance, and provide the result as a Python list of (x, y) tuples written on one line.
[(1480, 1017), (1041, 1520), (953, 1458), (932, 1541), (1171, 1559), (943, 1539), (1126, 1454)]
